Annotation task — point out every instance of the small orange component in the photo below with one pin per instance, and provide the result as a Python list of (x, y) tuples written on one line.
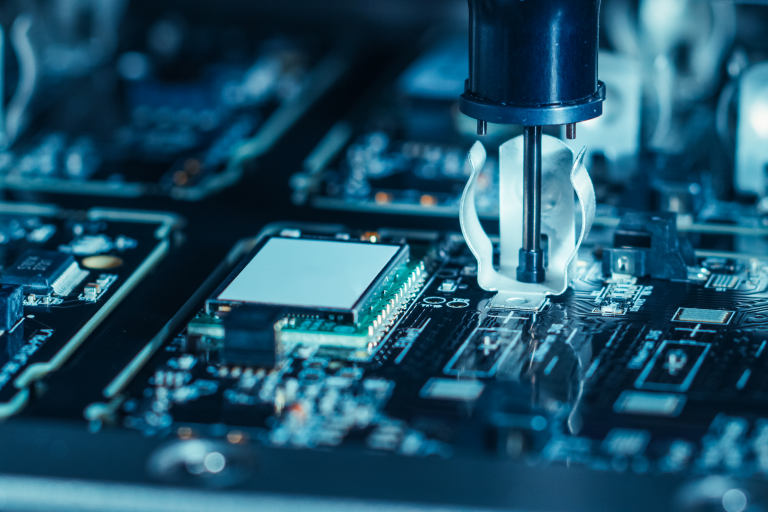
[(298, 412), (180, 178), (184, 433), (235, 437), (428, 200), (383, 198)]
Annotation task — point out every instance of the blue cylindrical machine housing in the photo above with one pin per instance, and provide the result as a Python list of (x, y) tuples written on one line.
[(533, 62)]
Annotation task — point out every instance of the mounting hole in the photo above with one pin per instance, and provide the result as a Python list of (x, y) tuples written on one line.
[(350, 373), (315, 363), (311, 375)]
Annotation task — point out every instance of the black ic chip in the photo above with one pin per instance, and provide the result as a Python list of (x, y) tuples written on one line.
[(250, 337), (11, 306), (36, 271)]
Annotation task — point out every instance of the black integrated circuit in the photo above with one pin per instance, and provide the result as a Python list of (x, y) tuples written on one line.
[(37, 270), (11, 306)]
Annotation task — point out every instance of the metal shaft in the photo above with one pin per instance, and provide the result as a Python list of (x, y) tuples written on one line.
[(532, 189), (531, 262)]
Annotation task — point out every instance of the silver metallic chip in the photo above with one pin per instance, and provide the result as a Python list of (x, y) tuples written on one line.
[(452, 389), (703, 316), (314, 274), (652, 404)]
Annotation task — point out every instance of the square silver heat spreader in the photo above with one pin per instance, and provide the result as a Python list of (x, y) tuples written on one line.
[(335, 277)]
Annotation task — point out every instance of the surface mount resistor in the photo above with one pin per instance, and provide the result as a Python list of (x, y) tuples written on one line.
[(91, 291)]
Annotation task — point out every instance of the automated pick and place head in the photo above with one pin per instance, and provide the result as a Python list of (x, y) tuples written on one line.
[(533, 63)]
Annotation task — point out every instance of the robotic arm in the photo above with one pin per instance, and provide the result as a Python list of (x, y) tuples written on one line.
[(533, 63)]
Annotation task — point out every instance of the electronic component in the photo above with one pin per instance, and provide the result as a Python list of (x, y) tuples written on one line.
[(647, 244), (91, 291), (345, 296), (703, 316), (451, 389), (652, 404), (11, 342), (11, 306), (448, 286), (338, 278), (250, 339), (44, 272)]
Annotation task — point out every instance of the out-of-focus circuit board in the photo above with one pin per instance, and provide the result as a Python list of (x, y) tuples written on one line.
[(167, 116), (403, 149), (62, 273), (390, 345), (316, 349)]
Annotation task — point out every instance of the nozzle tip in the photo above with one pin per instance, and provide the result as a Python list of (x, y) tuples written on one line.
[(570, 131), (482, 127)]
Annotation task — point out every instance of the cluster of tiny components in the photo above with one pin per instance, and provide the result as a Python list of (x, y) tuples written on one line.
[(54, 157), (621, 296), (312, 402), (321, 410), (389, 173), (167, 121), (732, 444)]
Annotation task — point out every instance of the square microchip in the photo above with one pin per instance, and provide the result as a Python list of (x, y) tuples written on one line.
[(36, 271), (311, 274), (703, 316)]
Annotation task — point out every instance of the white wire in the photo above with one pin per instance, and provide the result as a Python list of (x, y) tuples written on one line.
[(107, 15), (3, 136), (27, 77)]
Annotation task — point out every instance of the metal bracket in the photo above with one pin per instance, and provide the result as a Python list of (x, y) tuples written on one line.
[(561, 175)]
